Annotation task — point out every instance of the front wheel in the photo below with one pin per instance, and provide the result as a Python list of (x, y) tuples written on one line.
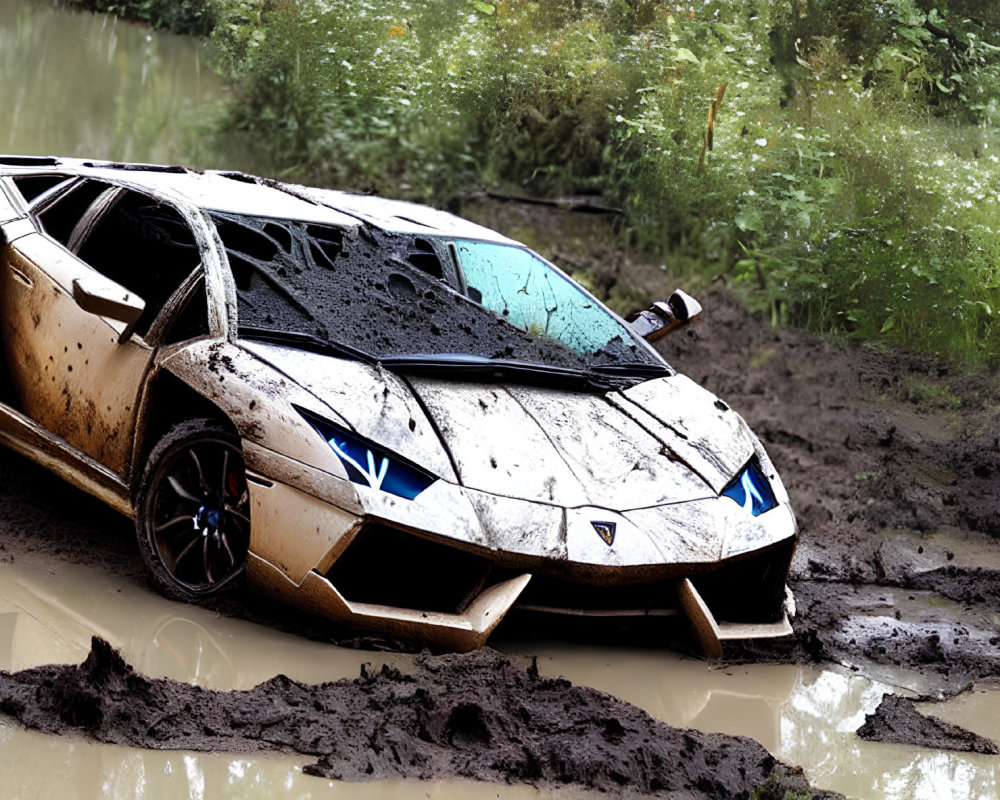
[(193, 511)]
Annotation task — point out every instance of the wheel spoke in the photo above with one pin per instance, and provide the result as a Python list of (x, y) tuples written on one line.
[(171, 522), (224, 540), (181, 491), (185, 551), (204, 560), (201, 475), (238, 514), (225, 473)]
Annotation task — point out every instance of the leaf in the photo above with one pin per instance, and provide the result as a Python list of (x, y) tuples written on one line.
[(749, 220), (683, 54), (888, 325), (480, 6)]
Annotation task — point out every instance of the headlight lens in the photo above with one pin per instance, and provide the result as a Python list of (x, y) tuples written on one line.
[(368, 464), (751, 490)]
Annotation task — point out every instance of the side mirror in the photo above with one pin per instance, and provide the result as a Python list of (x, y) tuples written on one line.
[(106, 299), (662, 317)]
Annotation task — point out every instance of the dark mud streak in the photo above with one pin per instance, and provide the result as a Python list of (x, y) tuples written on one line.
[(446, 719), (897, 720)]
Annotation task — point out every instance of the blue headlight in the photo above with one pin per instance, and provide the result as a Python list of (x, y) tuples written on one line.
[(751, 490), (368, 464)]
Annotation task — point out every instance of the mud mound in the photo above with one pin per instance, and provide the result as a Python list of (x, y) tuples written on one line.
[(897, 720), (479, 715)]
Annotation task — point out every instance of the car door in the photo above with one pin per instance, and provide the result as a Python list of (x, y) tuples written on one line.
[(71, 373)]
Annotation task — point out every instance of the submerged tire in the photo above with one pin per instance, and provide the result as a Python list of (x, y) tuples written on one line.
[(193, 511)]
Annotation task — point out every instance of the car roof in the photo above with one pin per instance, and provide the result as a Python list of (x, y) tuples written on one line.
[(239, 193), (400, 216)]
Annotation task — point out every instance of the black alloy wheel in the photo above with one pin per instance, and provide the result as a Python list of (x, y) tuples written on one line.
[(193, 520)]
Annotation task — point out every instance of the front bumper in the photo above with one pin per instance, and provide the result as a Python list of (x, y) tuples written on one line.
[(427, 571)]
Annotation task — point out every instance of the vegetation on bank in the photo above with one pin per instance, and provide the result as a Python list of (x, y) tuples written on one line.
[(852, 178)]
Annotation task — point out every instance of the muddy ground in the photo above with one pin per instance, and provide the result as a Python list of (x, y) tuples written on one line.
[(892, 461)]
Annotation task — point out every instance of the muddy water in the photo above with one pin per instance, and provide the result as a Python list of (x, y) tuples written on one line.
[(49, 611), (89, 85)]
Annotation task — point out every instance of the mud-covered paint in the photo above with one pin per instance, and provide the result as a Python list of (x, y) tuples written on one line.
[(359, 287), (69, 370)]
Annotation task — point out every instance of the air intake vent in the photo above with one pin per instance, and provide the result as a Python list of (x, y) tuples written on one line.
[(28, 161), (389, 567)]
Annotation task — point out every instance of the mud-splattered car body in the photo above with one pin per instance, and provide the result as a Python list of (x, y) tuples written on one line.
[(381, 413)]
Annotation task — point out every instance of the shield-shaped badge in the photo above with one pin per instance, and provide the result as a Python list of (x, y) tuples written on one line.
[(606, 530)]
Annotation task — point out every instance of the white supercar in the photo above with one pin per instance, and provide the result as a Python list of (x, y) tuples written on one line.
[(371, 410)]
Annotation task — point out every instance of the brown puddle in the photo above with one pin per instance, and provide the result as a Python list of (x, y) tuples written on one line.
[(804, 715)]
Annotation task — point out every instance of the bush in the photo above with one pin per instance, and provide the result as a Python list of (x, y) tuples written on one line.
[(853, 180)]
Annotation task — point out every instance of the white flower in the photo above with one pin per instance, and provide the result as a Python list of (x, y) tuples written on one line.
[(761, 142)]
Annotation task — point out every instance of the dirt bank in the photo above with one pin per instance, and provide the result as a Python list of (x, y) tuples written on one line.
[(897, 720), (442, 719)]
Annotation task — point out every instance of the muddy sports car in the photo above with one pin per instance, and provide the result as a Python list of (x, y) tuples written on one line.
[(371, 410)]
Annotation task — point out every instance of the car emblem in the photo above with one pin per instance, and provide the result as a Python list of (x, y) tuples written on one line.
[(606, 530)]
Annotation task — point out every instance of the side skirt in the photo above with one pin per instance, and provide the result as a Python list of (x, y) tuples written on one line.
[(25, 436)]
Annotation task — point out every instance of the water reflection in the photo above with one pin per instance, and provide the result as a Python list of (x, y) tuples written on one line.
[(804, 715), (89, 85)]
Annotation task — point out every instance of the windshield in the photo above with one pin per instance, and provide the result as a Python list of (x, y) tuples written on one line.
[(531, 295), (392, 297)]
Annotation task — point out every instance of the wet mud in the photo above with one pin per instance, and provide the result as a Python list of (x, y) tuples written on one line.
[(891, 460), (439, 720), (898, 721)]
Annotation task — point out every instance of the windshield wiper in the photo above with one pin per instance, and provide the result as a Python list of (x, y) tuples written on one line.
[(634, 369), (306, 341), (492, 369)]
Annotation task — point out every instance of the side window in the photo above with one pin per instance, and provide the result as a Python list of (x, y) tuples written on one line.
[(59, 218), (32, 186), (532, 296), (145, 246)]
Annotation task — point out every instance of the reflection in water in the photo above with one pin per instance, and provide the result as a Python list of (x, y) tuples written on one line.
[(804, 715), (89, 85)]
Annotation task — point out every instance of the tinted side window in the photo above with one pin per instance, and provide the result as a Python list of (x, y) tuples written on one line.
[(60, 218), (145, 246), (31, 186)]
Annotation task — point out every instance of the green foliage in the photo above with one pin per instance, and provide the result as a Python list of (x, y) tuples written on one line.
[(852, 186)]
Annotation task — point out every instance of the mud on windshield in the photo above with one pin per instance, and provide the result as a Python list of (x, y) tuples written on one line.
[(391, 296)]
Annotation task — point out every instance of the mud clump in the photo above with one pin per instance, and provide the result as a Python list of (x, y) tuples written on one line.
[(481, 715), (898, 721)]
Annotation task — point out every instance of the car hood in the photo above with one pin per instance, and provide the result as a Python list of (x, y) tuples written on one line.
[(661, 442)]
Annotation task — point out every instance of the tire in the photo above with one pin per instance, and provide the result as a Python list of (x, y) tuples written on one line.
[(193, 511)]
